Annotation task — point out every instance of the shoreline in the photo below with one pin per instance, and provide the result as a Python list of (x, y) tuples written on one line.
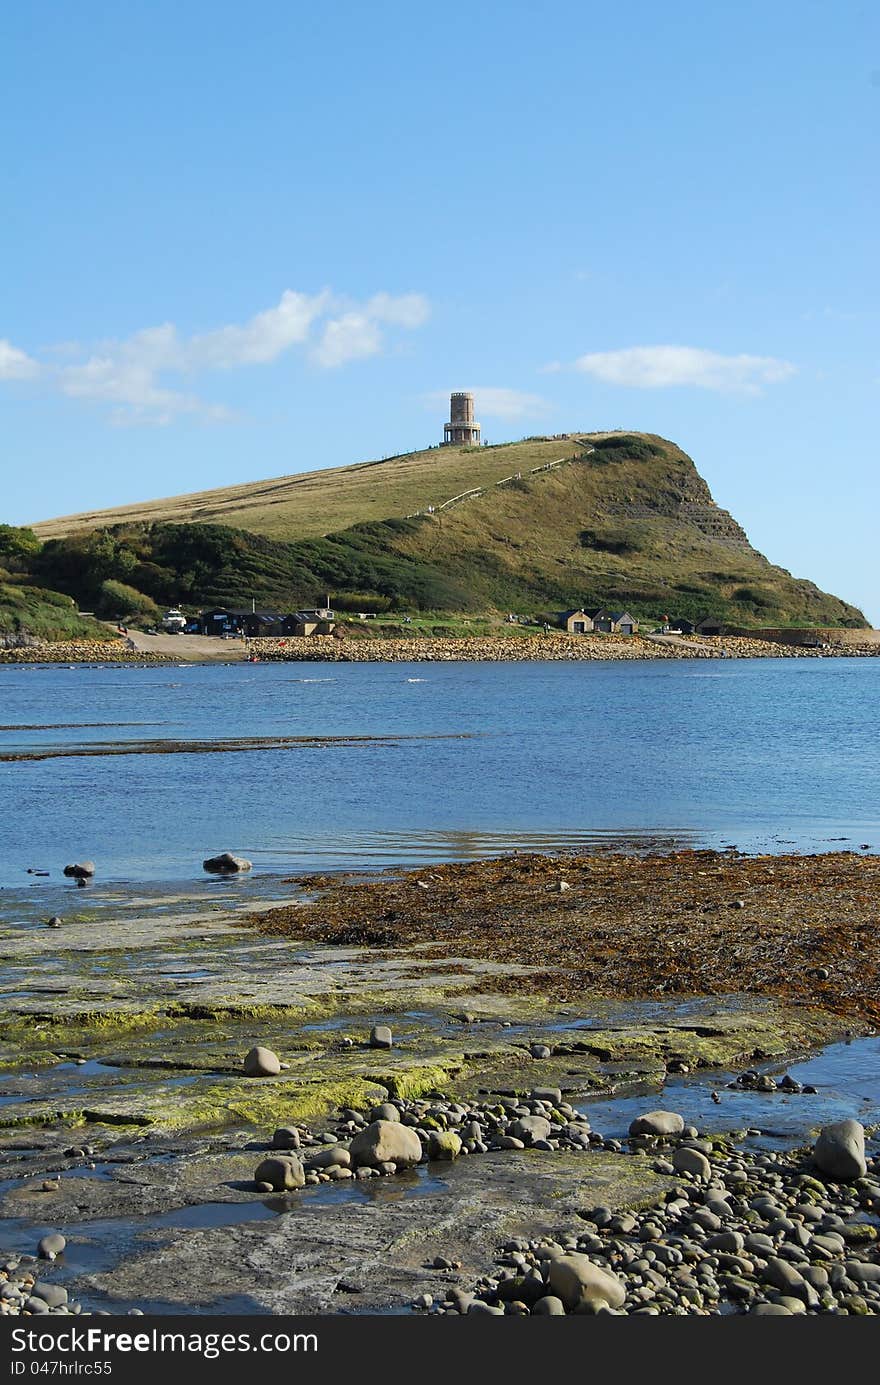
[(553, 648), (527, 1018)]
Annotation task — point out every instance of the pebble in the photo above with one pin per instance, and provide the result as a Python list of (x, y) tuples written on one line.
[(51, 1245), (261, 1062)]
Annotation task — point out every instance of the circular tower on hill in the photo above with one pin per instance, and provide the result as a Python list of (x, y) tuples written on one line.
[(461, 428)]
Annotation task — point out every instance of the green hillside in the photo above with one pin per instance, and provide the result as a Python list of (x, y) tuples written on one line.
[(621, 520), (46, 615), (321, 502)]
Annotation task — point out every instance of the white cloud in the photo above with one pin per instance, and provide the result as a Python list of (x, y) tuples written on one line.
[(15, 364), (504, 403), (351, 337), (407, 310), (357, 333), (143, 375), (659, 367), (493, 401), (263, 338)]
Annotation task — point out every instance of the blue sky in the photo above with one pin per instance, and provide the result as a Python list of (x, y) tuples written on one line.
[(242, 241)]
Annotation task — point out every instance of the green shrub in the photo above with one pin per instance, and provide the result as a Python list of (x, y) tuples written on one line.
[(119, 601)]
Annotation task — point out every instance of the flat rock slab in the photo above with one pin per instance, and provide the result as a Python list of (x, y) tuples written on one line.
[(364, 1247)]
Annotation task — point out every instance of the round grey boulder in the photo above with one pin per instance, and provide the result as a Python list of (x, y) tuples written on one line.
[(657, 1123), (261, 1062), (549, 1307), (385, 1111), (80, 870), (225, 864), (444, 1145), (337, 1156), (685, 1160), (55, 1295), (840, 1150), (51, 1245), (286, 1137), (381, 1037), (583, 1286), (531, 1128), (281, 1172), (385, 1142)]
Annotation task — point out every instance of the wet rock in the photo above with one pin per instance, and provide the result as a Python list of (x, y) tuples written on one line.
[(51, 1245), (384, 1142), (584, 1286), (226, 864), (381, 1036), (80, 870), (840, 1150), (657, 1123), (281, 1173), (261, 1062)]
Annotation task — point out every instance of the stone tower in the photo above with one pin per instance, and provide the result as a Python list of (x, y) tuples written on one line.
[(461, 428)]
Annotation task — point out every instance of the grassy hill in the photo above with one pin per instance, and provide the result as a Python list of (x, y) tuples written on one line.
[(321, 502), (602, 519)]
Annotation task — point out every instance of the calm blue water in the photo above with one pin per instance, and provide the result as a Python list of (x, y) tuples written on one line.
[(764, 754)]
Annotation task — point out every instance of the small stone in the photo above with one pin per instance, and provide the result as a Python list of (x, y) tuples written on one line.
[(685, 1160), (80, 870), (444, 1145), (286, 1137), (261, 1062), (51, 1245), (840, 1150), (584, 1286), (657, 1123), (552, 1095), (337, 1156), (386, 1111), (381, 1037), (384, 1142), (548, 1307), (531, 1128), (55, 1295), (226, 864), (280, 1173)]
